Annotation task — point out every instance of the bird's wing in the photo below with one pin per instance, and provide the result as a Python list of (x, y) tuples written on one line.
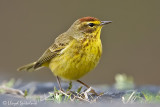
[(60, 43)]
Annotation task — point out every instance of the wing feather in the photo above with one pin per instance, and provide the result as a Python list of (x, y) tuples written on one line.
[(60, 43)]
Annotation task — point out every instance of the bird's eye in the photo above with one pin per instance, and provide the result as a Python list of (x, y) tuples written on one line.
[(91, 24)]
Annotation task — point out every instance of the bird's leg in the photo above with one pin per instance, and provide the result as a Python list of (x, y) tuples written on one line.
[(59, 84), (92, 91), (83, 83)]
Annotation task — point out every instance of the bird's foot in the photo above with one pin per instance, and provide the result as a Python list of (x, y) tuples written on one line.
[(91, 90)]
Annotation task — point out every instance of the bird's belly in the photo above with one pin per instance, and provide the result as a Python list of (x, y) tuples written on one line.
[(73, 64)]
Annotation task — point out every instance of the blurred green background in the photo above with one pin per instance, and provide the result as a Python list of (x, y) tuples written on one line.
[(131, 44)]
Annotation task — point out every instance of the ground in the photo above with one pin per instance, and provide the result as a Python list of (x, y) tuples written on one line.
[(46, 94)]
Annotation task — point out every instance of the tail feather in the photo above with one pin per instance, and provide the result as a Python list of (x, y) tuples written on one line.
[(29, 67)]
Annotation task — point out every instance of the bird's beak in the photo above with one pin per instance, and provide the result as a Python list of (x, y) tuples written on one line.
[(105, 22)]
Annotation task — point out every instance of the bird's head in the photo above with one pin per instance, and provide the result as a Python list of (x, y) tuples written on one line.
[(88, 25)]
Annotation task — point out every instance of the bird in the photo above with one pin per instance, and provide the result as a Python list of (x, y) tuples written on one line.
[(74, 53)]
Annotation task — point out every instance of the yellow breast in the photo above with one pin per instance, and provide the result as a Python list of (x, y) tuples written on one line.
[(77, 59)]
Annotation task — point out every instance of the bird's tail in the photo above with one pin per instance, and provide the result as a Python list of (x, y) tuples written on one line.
[(29, 67)]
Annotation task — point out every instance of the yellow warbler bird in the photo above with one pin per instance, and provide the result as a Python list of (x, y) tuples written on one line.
[(74, 53)]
